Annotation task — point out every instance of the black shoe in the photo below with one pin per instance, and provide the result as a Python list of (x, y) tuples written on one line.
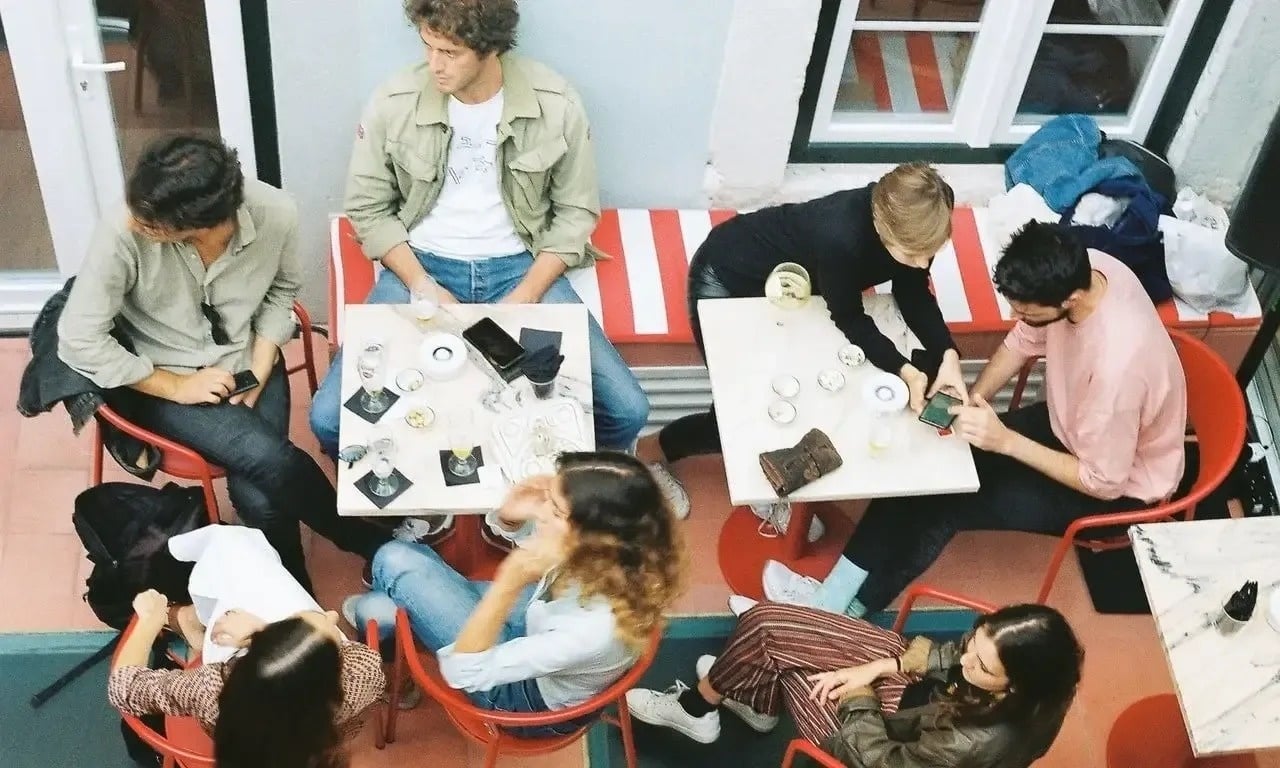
[(366, 574)]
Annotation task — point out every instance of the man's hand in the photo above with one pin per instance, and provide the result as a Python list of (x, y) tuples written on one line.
[(980, 426), (917, 382), (950, 378), (207, 385), (520, 295)]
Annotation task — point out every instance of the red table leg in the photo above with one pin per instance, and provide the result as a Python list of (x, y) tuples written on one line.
[(743, 550)]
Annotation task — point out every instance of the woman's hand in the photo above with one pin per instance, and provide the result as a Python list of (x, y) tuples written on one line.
[(527, 500), (531, 561), (234, 628), (151, 606), (833, 686), (950, 378), (917, 382)]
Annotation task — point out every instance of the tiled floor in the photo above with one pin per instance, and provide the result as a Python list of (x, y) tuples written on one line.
[(42, 571)]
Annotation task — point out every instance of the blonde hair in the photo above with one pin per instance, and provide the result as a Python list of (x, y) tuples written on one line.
[(911, 208), (626, 547)]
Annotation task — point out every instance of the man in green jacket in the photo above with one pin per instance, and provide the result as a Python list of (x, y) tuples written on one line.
[(473, 178)]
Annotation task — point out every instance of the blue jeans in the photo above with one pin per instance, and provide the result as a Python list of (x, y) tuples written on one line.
[(621, 406), (439, 600)]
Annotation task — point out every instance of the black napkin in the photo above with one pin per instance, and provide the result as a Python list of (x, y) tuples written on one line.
[(365, 484), (542, 364), (355, 405), (451, 479)]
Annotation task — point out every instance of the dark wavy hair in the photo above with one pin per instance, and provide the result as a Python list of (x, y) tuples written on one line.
[(280, 700), (626, 547), (185, 182), (1042, 660), (484, 26), (1043, 264)]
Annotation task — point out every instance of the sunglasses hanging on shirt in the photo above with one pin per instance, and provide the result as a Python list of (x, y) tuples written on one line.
[(216, 329)]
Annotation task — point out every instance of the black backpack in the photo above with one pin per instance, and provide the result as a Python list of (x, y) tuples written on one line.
[(125, 528)]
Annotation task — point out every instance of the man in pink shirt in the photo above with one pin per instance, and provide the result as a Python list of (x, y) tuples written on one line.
[(1109, 436)]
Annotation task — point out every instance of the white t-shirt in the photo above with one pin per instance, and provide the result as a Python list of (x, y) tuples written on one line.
[(236, 568), (469, 220)]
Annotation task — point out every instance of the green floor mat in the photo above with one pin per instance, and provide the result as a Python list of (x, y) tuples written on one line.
[(76, 727)]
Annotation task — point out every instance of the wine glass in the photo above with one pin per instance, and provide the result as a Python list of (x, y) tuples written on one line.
[(371, 364), (424, 303), (384, 467), (462, 462)]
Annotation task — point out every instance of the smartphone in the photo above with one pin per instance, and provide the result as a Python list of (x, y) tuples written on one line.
[(244, 381), (496, 346), (936, 412)]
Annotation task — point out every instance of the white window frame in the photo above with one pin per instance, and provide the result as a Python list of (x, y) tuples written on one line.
[(986, 99)]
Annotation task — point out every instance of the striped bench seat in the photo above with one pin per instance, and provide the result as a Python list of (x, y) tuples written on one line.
[(638, 296)]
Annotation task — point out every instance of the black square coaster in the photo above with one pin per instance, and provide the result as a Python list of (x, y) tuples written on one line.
[(365, 484), (451, 479), (353, 405)]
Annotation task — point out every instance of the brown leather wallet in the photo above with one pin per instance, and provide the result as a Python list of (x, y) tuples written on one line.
[(789, 469)]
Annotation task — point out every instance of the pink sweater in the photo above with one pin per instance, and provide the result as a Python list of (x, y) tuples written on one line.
[(1115, 388)]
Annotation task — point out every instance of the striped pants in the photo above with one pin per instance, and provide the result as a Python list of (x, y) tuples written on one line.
[(776, 647)]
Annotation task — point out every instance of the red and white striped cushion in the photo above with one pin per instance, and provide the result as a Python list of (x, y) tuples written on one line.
[(639, 295)]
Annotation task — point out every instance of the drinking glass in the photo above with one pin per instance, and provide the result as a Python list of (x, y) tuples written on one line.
[(462, 434), (424, 303), (788, 286), (384, 466), (371, 364)]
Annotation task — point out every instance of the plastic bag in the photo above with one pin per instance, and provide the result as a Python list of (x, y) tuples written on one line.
[(1203, 273), (1196, 208)]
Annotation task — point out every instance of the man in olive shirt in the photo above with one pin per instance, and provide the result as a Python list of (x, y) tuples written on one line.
[(199, 272), (472, 179)]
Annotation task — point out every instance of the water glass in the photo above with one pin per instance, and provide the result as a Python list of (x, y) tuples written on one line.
[(384, 466), (462, 435), (424, 303), (371, 364)]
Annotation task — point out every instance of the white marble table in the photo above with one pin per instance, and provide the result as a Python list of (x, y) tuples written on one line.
[(418, 449), (1228, 684), (746, 348)]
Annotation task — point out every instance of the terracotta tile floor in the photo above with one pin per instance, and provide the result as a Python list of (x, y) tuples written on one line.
[(42, 571)]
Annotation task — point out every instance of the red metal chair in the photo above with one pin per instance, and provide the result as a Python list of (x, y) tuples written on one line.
[(351, 275), (485, 726), (1216, 414), (180, 461), (1132, 745), (184, 743), (915, 592)]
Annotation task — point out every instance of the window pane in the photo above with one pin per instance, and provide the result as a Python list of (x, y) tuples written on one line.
[(28, 245), (1132, 12), (916, 74), (920, 10), (1090, 74)]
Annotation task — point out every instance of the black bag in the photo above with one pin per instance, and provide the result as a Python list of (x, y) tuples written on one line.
[(125, 528)]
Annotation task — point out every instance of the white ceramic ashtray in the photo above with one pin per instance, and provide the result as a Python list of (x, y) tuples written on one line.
[(885, 393), (420, 417), (442, 356), (786, 386), (410, 380), (782, 412), (852, 355), (831, 380)]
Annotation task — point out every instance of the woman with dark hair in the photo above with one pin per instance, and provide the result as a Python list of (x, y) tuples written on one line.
[(597, 563), (994, 699)]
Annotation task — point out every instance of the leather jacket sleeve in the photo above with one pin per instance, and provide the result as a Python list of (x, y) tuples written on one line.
[(864, 739)]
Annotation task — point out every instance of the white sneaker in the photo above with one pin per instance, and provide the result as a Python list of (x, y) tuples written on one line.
[(663, 708), (783, 585), (672, 489), (738, 604), (778, 516), (756, 721), (422, 530)]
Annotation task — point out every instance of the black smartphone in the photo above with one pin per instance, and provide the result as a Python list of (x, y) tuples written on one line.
[(937, 412), (244, 381), (496, 346)]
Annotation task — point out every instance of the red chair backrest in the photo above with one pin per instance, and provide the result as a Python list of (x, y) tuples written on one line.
[(351, 274), (460, 707), (1215, 408)]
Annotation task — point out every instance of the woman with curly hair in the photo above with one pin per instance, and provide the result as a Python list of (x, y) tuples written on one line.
[(597, 563)]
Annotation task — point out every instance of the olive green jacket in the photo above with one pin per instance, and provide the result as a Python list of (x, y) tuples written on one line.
[(924, 737), (548, 169)]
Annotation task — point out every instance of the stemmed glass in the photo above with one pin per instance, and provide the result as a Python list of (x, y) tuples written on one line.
[(371, 364), (463, 461), (384, 466)]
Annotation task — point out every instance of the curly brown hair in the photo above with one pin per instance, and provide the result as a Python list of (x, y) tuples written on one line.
[(626, 548), (484, 26)]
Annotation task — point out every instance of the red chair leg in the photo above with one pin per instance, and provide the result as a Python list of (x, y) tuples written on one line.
[(393, 700), (628, 737), (491, 753)]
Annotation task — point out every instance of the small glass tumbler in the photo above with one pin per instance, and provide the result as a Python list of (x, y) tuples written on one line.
[(462, 461)]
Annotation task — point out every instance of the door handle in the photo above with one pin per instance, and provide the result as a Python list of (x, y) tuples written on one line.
[(80, 65)]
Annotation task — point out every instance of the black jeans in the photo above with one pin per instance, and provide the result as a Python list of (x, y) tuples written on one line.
[(899, 538), (273, 484), (698, 433)]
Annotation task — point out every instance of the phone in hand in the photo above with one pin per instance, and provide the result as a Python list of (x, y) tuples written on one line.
[(244, 381), (496, 346), (937, 411)]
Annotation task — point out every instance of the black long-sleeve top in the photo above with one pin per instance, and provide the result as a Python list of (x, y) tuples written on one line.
[(833, 238)]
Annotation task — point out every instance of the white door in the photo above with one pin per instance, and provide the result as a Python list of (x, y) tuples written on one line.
[(84, 85)]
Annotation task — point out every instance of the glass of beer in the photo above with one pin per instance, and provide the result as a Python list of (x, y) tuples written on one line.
[(462, 442), (371, 364)]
